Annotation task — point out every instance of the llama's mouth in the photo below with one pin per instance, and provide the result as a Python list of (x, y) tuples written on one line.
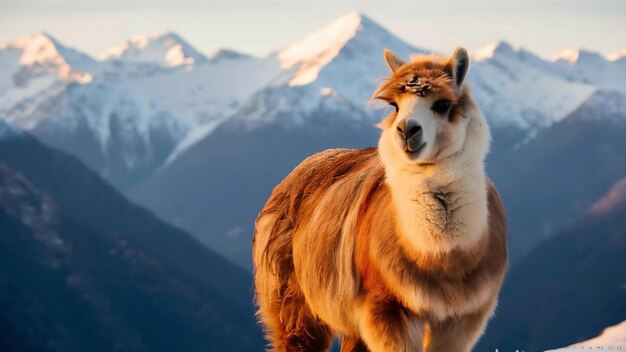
[(415, 152)]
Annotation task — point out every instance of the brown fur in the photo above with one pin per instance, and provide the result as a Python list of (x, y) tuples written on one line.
[(328, 258), (434, 72)]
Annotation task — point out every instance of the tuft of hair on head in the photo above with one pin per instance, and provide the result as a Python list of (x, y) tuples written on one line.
[(457, 66)]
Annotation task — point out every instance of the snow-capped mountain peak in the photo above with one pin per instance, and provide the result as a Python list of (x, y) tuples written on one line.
[(618, 55), (164, 48), (492, 50), (323, 44), (352, 32), (577, 55), (44, 48), (43, 51), (590, 67)]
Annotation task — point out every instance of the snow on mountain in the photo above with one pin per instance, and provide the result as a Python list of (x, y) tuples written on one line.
[(295, 107), (108, 126), (211, 90), (618, 55), (32, 65), (579, 65), (574, 55), (157, 79), (166, 48), (515, 87), (44, 52), (206, 94), (202, 91), (345, 56), (87, 107), (310, 54), (335, 69), (99, 107), (612, 339)]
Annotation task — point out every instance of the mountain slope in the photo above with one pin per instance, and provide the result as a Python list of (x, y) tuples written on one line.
[(549, 183), (68, 287), (579, 65), (94, 218), (107, 126), (517, 89), (568, 288)]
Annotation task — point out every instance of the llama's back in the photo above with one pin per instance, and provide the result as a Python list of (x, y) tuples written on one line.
[(298, 195), (317, 194)]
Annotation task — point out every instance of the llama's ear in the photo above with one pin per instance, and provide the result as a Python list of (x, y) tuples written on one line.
[(392, 60), (458, 65)]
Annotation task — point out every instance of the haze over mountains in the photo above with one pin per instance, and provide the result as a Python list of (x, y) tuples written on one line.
[(201, 140)]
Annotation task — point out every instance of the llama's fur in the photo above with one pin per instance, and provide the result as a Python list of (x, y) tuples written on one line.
[(391, 251)]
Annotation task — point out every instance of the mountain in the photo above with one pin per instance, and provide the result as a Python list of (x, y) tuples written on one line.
[(549, 183), (64, 98), (30, 57), (519, 93), (612, 339), (344, 55), (112, 130), (206, 94), (83, 269), (568, 288), (167, 49), (32, 66), (579, 65)]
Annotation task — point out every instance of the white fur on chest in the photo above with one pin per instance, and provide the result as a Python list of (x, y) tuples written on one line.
[(439, 213)]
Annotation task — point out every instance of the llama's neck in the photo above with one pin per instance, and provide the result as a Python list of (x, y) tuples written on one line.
[(441, 208)]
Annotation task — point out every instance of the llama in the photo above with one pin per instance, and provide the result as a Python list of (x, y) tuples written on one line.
[(395, 248)]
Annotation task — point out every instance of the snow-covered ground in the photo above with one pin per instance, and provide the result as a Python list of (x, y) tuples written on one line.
[(612, 339)]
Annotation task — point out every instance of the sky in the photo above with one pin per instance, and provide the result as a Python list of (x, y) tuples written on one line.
[(259, 27)]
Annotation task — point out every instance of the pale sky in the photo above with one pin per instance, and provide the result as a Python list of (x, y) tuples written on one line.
[(259, 27)]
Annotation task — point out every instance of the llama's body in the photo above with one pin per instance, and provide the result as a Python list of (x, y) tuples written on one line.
[(389, 255)]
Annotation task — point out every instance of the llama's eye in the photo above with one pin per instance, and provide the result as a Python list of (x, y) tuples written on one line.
[(441, 106), (395, 106)]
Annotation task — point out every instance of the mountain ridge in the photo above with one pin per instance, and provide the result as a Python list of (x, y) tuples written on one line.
[(84, 269)]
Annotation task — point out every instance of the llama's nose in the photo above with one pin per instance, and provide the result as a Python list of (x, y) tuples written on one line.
[(408, 129)]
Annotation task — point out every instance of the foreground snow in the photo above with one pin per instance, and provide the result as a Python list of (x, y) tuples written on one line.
[(612, 339)]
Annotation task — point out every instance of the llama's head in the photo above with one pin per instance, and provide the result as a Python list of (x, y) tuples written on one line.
[(433, 117)]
